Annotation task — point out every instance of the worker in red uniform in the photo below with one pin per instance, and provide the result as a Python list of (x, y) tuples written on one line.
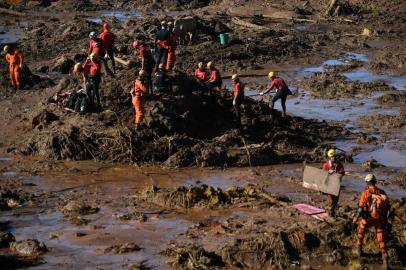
[(161, 45), (147, 61), (373, 208), (97, 46), (172, 48), (215, 77), (109, 39), (238, 94), (282, 91), (333, 166), (201, 74), (92, 70), (15, 59), (138, 93)]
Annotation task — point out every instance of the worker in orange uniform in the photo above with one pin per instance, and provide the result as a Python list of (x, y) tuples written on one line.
[(172, 47), (138, 93), (201, 73), (238, 94), (333, 166), (373, 209), (147, 61), (16, 61), (109, 39)]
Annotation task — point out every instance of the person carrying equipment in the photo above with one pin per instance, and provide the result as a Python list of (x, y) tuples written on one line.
[(333, 166), (147, 61), (215, 77), (373, 209), (138, 93), (109, 39), (15, 59), (282, 91), (238, 94)]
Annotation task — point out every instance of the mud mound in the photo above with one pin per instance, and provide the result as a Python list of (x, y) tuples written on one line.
[(393, 98), (187, 127), (386, 121), (334, 86), (29, 248), (205, 196), (120, 249)]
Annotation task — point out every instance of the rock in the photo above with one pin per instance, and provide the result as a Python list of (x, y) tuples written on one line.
[(74, 207), (6, 238), (29, 247), (121, 249), (372, 164), (54, 235), (64, 65)]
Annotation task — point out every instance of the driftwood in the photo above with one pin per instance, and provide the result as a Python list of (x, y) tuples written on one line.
[(12, 12), (247, 24)]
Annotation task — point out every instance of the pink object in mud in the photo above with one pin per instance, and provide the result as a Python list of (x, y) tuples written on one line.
[(308, 209)]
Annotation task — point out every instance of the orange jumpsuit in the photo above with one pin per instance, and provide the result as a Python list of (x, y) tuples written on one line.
[(376, 220), (171, 52), (138, 98), (16, 61)]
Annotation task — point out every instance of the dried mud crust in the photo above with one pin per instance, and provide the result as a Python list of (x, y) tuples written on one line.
[(334, 86), (386, 121), (189, 127), (393, 98)]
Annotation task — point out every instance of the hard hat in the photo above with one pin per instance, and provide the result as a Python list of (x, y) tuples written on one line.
[(93, 56), (6, 49), (161, 65), (271, 74), (210, 64), (141, 73), (170, 23), (77, 68), (106, 27), (136, 44), (234, 77), (370, 177), (163, 23), (331, 153), (92, 35)]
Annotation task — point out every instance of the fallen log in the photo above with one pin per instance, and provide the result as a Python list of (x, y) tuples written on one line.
[(12, 12)]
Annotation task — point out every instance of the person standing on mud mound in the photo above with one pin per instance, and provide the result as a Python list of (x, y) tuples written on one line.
[(109, 39), (201, 74), (138, 93), (93, 67), (333, 166), (282, 91), (15, 59), (147, 61), (238, 94), (373, 209), (97, 46), (161, 45), (172, 47), (215, 77)]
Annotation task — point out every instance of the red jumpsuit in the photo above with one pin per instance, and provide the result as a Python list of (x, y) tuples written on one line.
[(97, 47), (138, 98), (16, 61), (201, 75), (377, 219), (337, 167)]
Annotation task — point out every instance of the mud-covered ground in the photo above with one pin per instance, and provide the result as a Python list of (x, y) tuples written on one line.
[(125, 204)]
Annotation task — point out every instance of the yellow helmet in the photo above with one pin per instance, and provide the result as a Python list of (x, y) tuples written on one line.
[(331, 153), (93, 56), (370, 177), (77, 68), (6, 49), (141, 73), (210, 64), (271, 74), (234, 77)]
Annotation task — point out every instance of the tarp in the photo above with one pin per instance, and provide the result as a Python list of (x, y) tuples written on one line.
[(308, 209), (320, 180)]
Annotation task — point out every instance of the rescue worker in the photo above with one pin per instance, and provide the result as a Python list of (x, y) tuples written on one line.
[(92, 70), (282, 91), (201, 74), (97, 46), (373, 209), (172, 48), (138, 93), (15, 59), (109, 39), (161, 45), (160, 83), (147, 61), (215, 77), (238, 94), (333, 166)]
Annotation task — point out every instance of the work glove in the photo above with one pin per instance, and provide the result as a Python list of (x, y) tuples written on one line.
[(331, 171), (234, 102), (261, 94)]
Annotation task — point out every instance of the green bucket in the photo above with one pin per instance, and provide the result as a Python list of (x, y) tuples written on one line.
[(224, 39)]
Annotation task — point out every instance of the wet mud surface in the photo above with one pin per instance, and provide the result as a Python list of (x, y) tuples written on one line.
[(127, 204)]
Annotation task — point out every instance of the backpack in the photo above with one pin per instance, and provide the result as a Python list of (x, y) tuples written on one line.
[(377, 205)]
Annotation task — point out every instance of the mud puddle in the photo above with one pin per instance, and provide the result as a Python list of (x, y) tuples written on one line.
[(119, 14), (11, 34)]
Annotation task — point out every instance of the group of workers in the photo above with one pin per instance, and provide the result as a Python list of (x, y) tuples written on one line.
[(373, 208)]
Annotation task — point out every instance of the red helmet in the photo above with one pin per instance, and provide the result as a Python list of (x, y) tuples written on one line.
[(136, 44)]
